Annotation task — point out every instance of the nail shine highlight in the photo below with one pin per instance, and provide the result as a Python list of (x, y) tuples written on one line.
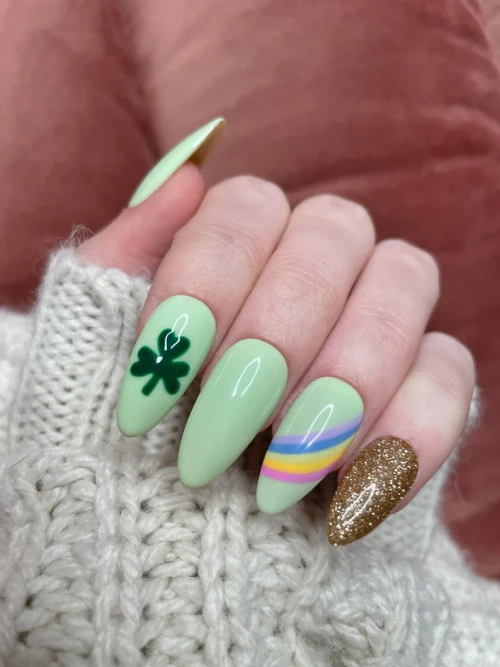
[(376, 481), (310, 442), (165, 359), (238, 398)]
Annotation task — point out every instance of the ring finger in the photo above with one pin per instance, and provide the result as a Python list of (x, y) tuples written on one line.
[(410, 440), (357, 371)]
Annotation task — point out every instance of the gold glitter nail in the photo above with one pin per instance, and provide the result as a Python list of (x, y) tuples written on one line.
[(378, 478)]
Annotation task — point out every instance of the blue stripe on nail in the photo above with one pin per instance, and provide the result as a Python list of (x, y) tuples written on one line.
[(283, 447)]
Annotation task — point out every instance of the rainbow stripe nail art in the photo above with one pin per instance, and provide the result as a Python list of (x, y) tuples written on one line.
[(309, 443), (308, 457)]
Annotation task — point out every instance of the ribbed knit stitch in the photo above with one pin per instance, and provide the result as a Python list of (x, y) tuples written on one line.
[(107, 559)]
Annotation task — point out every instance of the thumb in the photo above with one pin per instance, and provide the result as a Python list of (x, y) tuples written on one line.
[(137, 240)]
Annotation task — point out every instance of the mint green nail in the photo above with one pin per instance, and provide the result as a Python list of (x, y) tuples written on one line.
[(310, 442), (194, 148), (165, 359), (237, 400)]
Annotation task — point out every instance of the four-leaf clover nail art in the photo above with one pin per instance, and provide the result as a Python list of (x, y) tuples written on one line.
[(161, 365)]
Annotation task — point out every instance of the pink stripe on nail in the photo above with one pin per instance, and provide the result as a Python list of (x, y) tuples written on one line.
[(293, 478)]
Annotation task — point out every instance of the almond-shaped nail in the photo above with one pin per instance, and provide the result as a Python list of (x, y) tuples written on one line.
[(193, 148), (375, 482), (165, 359), (238, 398), (310, 442)]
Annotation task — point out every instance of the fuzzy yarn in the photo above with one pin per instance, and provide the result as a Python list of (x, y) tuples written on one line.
[(108, 560)]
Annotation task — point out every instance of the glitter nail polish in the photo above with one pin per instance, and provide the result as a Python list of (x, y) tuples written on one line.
[(375, 482)]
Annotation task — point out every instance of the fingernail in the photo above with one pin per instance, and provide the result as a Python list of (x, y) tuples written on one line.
[(313, 436), (236, 401), (194, 148), (378, 478), (165, 359)]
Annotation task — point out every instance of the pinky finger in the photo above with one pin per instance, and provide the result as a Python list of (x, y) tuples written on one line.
[(411, 439)]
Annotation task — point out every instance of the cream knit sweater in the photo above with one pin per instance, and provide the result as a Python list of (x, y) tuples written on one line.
[(108, 560)]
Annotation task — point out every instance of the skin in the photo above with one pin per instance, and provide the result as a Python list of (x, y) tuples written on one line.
[(315, 268)]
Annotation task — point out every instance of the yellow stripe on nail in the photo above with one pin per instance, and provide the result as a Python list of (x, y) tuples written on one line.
[(318, 457), (304, 466)]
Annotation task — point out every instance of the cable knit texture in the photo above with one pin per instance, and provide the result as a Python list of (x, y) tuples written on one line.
[(108, 560)]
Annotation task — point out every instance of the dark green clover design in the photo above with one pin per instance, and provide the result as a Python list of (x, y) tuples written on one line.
[(162, 365)]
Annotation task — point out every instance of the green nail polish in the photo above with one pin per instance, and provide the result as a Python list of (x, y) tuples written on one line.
[(310, 442), (164, 361), (236, 401), (194, 148)]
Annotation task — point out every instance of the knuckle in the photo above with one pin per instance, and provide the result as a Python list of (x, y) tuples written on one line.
[(253, 191), (297, 294), (233, 239), (451, 363), (417, 260), (240, 215), (389, 329), (419, 264), (330, 212), (331, 204), (308, 278)]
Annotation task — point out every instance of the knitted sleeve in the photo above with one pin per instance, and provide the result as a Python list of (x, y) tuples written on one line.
[(64, 499), (107, 559), (86, 320), (15, 339)]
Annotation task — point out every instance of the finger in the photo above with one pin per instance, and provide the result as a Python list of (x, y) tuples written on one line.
[(167, 197), (303, 289), (410, 440), (137, 240), (358, 369), (277, 333), (197, 292), (219, 255)]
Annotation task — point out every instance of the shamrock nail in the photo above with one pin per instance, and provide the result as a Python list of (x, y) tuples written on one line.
[(193, 148), (165, 359), (309, 443), (161, 364)]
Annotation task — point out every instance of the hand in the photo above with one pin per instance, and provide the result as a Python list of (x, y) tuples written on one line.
[(378, 124), (296, 319)]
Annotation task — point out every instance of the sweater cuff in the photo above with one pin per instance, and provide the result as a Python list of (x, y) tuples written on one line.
[(84, 328)]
